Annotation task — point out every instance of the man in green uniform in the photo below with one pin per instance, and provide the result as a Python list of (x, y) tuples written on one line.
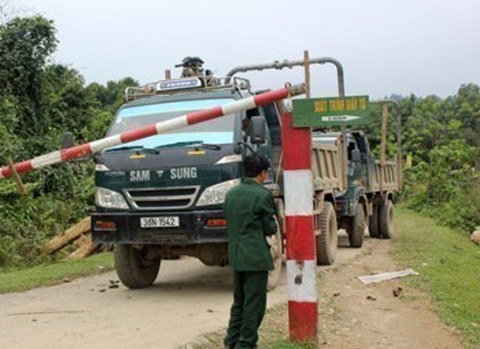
[(250, 213)]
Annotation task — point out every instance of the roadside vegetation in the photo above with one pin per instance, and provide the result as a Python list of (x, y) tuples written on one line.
[(449, 267), (52, 273)]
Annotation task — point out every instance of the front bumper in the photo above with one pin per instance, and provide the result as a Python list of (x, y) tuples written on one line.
[(124, 228)]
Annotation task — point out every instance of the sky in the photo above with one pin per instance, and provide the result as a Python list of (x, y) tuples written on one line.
[(424, 47)]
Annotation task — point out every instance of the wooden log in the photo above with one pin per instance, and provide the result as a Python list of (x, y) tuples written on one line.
[(69, 235), (86, 249)]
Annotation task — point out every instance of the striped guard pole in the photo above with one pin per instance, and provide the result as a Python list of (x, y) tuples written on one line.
[(153, 129), (301, 255)]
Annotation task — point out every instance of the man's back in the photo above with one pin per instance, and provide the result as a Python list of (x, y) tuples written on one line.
[(250, 214)]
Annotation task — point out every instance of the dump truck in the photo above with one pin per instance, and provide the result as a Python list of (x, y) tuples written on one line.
[(372, 183), (161, 197)]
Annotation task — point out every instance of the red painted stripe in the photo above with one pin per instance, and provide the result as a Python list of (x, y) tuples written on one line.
[(300, 238), (303, 321), (76, 152), (5, 171), (142, 132), (204, 115), (297, 145), (270, 96), (24, 166), (21, 167)]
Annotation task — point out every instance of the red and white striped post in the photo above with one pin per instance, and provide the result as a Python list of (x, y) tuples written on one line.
[(301, 255), (153, 129)]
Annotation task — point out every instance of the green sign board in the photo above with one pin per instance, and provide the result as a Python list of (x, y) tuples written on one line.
[(332, 111)]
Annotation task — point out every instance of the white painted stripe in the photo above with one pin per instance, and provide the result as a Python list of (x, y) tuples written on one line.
[(301, 281), (172, 124), (47, 159), (105, 143), (298, 192), (241, 104)]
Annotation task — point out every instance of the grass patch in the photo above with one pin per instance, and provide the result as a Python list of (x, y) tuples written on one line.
[(449, 267), (53, 273)]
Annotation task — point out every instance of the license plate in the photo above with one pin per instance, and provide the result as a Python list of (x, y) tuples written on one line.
[(159, 222)]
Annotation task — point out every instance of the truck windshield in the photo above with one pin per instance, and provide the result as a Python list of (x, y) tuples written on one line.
[(216, 131)]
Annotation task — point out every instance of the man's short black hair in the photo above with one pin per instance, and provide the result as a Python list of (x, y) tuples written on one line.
[(254, 164)]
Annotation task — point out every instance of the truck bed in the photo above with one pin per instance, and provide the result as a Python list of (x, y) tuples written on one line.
[(327, 168), (385, 178)]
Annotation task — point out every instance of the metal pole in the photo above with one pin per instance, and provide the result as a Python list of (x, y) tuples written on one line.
[(290, 64), (299, 224), (153, 129), (306, 62), (399, 137)]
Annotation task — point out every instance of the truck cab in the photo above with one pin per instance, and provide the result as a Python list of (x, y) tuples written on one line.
[(162, 197)]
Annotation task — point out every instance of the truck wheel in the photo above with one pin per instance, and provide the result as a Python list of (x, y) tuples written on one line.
[(276, 248), (386, 220), (373, 223), (133, 270), (357, 231), (327, 238)]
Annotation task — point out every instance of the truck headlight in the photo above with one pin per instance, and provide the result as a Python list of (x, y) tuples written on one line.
[(109, 198), (215, 194)]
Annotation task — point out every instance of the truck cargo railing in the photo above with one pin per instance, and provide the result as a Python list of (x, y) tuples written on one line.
[(175, 86)]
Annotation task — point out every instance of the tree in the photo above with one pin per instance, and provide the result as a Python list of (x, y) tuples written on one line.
[(112, 95), (25, 45)]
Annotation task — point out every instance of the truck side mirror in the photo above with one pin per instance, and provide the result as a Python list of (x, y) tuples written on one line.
[(256, 130), (67, 140), (356, 155)]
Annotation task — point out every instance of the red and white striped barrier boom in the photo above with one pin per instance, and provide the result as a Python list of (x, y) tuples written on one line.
[(153, 129), (301, 254)]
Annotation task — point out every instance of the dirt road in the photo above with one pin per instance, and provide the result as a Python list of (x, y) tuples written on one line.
[(189, 299), (384, 315)]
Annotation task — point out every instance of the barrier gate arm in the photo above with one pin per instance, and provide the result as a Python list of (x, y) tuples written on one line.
[(153, 129)]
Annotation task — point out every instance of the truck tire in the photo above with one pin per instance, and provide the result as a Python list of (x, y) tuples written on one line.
[(386, 220), (373, 223), (357, 228), (276, 245), (327, 238), (132, 269)]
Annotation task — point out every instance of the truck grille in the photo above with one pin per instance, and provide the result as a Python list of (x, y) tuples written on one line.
[(161, 198)]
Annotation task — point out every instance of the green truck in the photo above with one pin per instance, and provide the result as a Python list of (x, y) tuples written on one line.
[(372, 183), (162, 197)]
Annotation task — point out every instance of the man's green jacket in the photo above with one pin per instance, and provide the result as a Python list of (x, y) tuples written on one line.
[(250, 213)]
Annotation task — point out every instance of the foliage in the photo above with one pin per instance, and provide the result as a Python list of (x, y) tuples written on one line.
[(39, 102), (25, 44), (443, 177), (112, 95)]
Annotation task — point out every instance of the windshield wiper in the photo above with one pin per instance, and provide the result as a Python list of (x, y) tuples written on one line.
[(127, 147), (138, 148), (184, 144), (210, 146)]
